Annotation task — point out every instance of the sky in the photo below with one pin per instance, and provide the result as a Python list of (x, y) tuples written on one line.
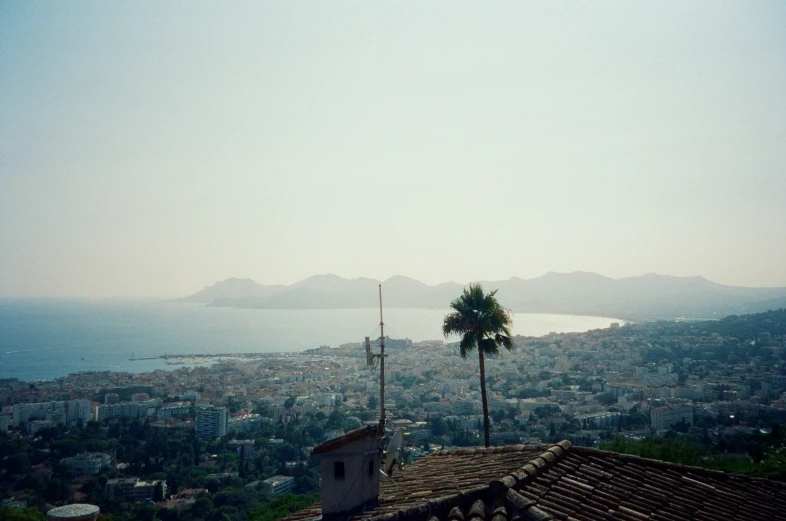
[(153, 148)]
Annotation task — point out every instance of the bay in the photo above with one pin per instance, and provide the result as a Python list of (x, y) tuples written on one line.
[(46, 339)]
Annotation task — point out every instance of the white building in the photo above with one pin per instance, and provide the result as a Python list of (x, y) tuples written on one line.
[(173, 410), (662, 418), (132, 409), (598, 420), (563, 395), (80, 410), (280, 485), (87, 463), (244, 423), (34, 426), (464, 407), (327, 399), (135, 489), (452, 386), (69, 411), (495, 404), (212, 422), (26, 412)]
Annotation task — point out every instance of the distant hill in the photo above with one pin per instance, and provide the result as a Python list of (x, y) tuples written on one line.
[(648, 296), (230, 289)]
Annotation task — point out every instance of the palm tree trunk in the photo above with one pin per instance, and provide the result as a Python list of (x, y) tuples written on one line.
[(483, 396)]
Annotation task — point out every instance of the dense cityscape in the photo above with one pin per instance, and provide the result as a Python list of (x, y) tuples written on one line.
[(234, 438)]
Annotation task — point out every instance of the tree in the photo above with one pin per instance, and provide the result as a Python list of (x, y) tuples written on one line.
[(438, 426), (336, 420), (20, 514), (483, 324)]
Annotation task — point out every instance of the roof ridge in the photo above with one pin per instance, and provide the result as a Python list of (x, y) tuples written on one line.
[(501, 488), (527, 472), (497, 449), (661, 463)]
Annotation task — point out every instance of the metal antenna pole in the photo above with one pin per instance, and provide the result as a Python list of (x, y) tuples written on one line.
[(381, 363)]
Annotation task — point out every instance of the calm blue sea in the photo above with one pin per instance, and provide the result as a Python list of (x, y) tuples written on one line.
[(45, 339)]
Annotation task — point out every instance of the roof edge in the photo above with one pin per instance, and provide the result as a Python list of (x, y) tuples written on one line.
[(349, 437), (661, 464)]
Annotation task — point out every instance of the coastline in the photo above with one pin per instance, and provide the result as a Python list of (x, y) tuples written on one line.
[(46, 340)]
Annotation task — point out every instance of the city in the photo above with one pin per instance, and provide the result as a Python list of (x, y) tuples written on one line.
[(703, 393)]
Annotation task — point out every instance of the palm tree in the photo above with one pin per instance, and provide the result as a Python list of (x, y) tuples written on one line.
[(483, 324)]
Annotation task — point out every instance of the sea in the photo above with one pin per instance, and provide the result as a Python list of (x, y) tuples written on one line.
[(46, 339)]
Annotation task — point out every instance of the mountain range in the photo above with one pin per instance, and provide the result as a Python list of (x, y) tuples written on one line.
[(645, 297)]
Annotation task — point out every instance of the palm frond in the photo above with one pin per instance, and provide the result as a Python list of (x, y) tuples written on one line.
[(467, 344), (455, 324), (489, 346), (504, 340)]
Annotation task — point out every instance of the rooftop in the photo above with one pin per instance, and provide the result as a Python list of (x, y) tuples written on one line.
[(72, 511), (520, 482), (277, 479)]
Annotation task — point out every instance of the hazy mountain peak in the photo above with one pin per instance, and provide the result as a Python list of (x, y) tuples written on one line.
[(574, 274), (554, 276), (403, 281), (579, 292), (322, 276), (231, 288), (319, 280), (235, 280)]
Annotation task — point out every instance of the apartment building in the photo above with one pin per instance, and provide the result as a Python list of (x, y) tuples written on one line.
[(134, 489), (662, 418), (280, 485), (212, 422), (87, 463), (132, 409)]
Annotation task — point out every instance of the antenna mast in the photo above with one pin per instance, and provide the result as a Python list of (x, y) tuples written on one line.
[(381, 363)]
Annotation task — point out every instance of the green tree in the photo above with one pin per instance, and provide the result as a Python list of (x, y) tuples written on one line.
[(438, 426), (483, 324), (20, 514), (336, 420), (201, 507), (282, 506)]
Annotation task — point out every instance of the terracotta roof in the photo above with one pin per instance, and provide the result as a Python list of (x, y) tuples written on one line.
[(521, 483)]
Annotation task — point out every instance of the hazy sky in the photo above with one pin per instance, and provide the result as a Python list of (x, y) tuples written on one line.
[(153, 148)]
